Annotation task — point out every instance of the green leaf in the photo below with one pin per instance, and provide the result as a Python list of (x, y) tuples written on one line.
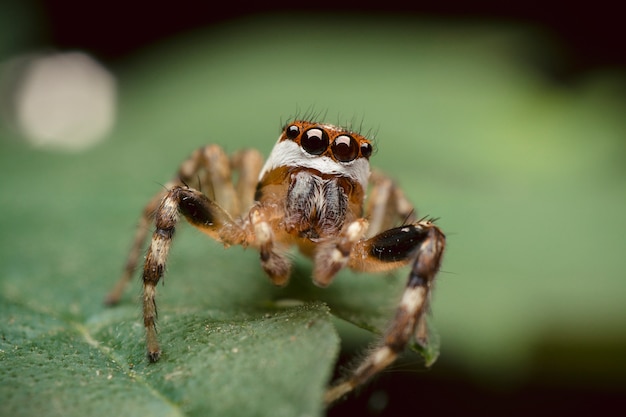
[(214, 363)]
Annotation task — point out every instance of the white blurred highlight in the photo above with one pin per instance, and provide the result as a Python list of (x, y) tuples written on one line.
[(64, 101)]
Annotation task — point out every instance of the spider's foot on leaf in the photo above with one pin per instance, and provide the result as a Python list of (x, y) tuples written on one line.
[(154, 356)]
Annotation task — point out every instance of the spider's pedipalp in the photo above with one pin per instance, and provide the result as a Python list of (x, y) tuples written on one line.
[(274, 261), (331, 257)]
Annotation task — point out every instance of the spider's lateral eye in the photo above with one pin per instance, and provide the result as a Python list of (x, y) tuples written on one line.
[(314, 141), (366, 150), (292, 131), (345, 148)]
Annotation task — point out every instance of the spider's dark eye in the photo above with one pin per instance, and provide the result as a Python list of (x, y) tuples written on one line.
[(366, 149), (345, 148), (314, 141), (292, 131)]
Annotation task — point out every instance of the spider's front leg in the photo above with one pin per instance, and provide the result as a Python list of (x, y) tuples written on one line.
[(202, 213), (421, 244), (209, 169)]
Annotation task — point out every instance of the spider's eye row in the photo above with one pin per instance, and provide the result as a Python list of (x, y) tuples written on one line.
[(292, 131), (366, 150), (314, 141), (345, 148)]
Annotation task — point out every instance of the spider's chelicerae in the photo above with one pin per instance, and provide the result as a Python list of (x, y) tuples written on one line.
[(309, 193)]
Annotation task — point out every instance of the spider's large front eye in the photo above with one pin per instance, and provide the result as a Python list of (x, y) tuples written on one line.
[(292, 131), (345, 148), (314, 141)]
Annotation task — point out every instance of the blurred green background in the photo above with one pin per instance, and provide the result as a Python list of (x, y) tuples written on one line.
[(526, 175)]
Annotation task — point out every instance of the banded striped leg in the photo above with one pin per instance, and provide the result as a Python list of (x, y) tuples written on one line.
[(387, 205), (141, 233), (331, 257), (209, 169), (248, 163), (274, 260), (421, 243), (203, 214)]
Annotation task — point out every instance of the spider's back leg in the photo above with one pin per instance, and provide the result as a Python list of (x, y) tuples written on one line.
[(248, 164), (387, 205)]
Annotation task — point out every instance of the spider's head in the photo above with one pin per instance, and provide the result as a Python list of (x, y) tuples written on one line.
[(327, 149)]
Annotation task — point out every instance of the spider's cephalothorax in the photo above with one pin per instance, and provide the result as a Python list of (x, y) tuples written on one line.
[(316, 176), (309, 193)]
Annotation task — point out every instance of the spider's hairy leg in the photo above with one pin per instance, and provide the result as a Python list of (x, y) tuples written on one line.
[(141, 233), (331, 257), (274, 261), (200, 212), (209, 169), (387, 205), (248, 164), (421, 243)]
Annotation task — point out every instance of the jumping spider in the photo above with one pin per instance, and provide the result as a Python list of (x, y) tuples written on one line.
[(309, 193)]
